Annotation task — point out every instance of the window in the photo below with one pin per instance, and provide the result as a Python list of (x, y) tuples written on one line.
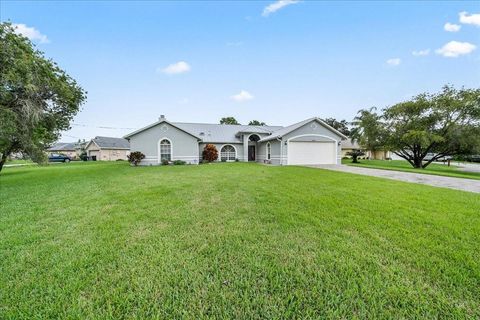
[(165, 150), (269, 151), (228, 153)]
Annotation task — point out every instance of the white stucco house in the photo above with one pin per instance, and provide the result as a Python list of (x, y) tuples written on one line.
[(311, 141)]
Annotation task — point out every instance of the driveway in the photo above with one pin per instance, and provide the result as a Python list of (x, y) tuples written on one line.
[(431, 180)]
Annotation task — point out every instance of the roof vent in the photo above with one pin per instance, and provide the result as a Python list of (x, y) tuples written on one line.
[(162, 118), (202, 133)]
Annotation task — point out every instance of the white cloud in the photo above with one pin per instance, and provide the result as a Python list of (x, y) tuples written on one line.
[(273, 7), (451, 27), (242, 96), (234, 44), (420, 53), (473, 18), (454, 49), (30, 32), (394, 61), (176, 68)]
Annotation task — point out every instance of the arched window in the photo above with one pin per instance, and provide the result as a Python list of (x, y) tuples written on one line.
[(165, 150), (269, 151), (228, 153)]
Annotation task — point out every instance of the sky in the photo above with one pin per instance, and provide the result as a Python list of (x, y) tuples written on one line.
[(279, 62)]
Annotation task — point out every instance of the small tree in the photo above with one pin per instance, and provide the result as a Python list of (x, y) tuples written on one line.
[(369, 130), (256, 123), (135, 157), (355, 153), (229, 120), (210, 153)]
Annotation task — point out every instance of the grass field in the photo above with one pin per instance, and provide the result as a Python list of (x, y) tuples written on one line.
[(236, 240), (402, 165)]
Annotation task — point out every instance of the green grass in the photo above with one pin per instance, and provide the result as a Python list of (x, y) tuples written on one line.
[(403, 165), (18, 161), (233, 240)]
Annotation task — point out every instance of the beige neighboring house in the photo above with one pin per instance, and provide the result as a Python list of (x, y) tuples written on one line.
[(108, 149), (348, 146), (67, 148)]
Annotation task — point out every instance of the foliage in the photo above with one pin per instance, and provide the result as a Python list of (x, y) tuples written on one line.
[(210, 153), (229, 120), (445, 123), (342, 125), (355, 153), (368, 130), (256, 123), (153, 242), (37, 98), (179, 163), (165, 162), (135, 157)]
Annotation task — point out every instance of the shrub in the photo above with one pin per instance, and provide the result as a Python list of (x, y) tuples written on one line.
[(236, 160), (179, 162), (210, 153), (135, 157), (224, 160), (165, 162), (355, 154)]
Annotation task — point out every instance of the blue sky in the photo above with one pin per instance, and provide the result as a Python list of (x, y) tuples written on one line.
[(199, 61)]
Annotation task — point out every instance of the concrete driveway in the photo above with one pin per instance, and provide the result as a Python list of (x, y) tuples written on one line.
[(431, 180)]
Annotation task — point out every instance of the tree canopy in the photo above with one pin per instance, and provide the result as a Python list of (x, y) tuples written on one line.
[(37, 98), (342, 125), (256, 123), (443, 124), (229, 120)]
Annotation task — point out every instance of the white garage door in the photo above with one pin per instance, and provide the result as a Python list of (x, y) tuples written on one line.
[(313, 152)]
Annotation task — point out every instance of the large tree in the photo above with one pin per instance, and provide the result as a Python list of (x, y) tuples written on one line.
[(37, 98), (342, 125), (256, 123), (369, 130), (445, 124), (229, 120)]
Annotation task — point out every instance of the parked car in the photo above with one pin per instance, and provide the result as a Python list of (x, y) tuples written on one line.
[(58, 157), (429, 157)]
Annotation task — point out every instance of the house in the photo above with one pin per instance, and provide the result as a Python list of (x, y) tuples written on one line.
[(67, 148), (311, 141), (348, 146), (108, 149)]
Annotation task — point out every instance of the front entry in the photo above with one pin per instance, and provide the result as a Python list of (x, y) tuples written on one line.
[(251, 153)]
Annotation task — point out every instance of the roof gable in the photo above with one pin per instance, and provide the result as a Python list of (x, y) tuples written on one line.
[(157, 123), (286, 130)]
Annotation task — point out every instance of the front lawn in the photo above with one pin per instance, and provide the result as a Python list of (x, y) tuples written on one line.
[(232, 240), (402, 165)]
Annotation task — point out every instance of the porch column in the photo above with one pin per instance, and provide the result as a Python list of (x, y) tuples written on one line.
[(245, 148)]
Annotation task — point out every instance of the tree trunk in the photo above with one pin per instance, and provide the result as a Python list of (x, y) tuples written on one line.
[(417, 163), (3, 160)]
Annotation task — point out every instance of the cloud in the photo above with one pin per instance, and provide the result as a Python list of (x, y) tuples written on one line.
[(234, 44), (30, 32), (454, 49), (273, 7), (451, 27), (394, 61), (242, 96), (421, 53), (473, 18), (176, 68)]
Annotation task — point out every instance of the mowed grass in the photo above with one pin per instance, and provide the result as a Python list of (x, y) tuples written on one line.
[(236, 240), (403, 165)]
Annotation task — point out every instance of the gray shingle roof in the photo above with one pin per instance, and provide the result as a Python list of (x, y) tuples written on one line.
[(63, 146), (111, 143), (283, 131), (347, 144), (224, 133)]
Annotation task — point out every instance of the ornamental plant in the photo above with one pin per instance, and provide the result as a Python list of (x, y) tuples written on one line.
[(210, 153)]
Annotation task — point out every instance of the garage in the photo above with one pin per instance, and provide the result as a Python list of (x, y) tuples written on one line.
[(311, 152)]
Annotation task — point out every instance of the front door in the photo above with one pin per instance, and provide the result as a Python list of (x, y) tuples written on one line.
[(251, 153)]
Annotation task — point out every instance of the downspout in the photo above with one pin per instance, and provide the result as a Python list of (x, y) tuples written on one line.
[(281, 150)]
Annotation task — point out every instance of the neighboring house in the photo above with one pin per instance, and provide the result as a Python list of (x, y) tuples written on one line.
[(108, 149), (67, 148), (348, 146), (311, 141)]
